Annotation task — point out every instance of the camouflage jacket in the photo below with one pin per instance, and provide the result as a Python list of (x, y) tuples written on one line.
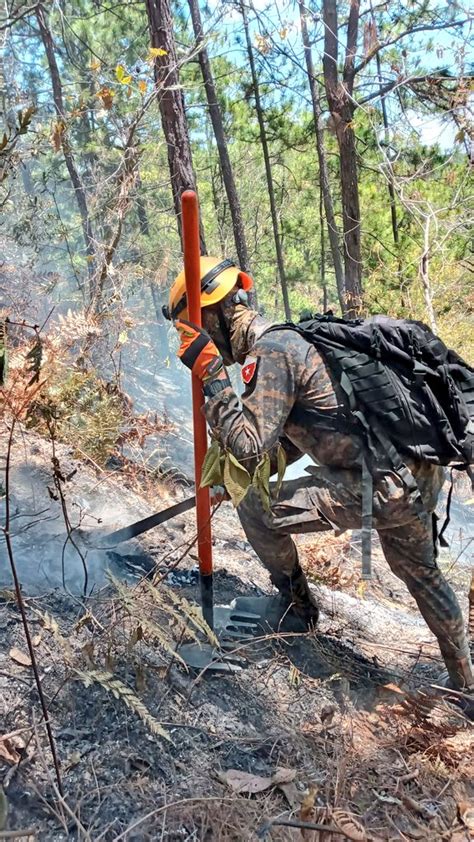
[(284, 377), (290, 398)]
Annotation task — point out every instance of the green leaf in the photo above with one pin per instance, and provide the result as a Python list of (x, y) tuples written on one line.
[(120, 72), (261, 480), (211, 473), (281, 464), (236, 479)]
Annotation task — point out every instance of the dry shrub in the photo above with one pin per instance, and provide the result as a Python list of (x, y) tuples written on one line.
[(54, 386), (326, 559)]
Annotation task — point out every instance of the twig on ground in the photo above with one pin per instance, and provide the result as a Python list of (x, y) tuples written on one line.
[(327, 828), (21, 606)]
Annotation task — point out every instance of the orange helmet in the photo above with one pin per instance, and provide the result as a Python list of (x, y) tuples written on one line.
[(218, 277)]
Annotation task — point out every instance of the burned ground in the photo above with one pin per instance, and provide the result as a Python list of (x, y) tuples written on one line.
[(338, 728)]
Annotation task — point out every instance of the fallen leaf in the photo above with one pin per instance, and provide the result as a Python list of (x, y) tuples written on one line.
[(20, 657), (245, 781), (466, 814), (8, 751), (283, 776), (394, 688), (36, 640), (349, 825), (292, 794)]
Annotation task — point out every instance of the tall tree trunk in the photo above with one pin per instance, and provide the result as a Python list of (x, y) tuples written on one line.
[(341, 106), (171, 102), (218, 127), (76, 180), (333, 232), (268, 169)]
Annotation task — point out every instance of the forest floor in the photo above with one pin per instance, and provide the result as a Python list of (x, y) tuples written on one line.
[(338, 728)]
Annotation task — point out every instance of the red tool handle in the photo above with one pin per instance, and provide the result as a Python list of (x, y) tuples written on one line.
[(192, 271)]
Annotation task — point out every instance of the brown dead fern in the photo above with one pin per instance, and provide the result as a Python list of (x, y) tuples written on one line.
[(121, 691)]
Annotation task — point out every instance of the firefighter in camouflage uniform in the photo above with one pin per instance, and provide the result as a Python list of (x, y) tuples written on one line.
[(289, 395)]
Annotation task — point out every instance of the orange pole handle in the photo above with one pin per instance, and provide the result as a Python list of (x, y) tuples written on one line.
[(192, 271)]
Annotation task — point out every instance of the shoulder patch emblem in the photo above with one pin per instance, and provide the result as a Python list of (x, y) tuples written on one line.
[(248, 369)]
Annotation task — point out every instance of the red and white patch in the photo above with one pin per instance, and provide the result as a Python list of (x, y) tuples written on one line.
[(248, 369)]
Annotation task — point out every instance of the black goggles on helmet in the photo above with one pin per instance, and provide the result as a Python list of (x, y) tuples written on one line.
[(208, 284)]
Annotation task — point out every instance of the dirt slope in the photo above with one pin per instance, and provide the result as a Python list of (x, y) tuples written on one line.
[(398, 762)]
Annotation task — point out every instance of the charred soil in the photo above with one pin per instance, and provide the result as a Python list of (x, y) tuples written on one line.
[(338, 728)]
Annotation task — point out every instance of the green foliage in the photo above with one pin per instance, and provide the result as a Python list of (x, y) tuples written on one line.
[(107, 74), (84, 414), (222, 468)]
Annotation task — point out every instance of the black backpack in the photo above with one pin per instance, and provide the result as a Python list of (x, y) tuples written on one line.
[(419, 393), (405, 391)]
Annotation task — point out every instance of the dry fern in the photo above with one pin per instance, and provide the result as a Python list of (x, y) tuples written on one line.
[(120, 691), (183, 611), (135, 611), (75, 326)]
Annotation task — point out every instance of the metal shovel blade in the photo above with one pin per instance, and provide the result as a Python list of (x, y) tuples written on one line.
[(230, 624), (206, 657)]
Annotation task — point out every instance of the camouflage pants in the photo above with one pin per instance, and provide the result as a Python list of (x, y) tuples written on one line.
[(331, 498)]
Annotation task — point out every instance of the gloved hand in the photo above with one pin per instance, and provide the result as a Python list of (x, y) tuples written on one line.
[(197, 351)]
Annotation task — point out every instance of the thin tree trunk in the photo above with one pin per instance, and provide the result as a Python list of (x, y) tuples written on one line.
[(391, 190), (268, 169), (425, 274), (333, 232), (171, 102), (323, 249), (218, 127), (342, 109), (79, 191)]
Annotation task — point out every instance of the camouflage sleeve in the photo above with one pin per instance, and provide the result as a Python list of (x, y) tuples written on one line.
[(256, 425)]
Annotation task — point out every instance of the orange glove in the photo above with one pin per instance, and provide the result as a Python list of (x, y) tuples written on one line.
[(197, 351)]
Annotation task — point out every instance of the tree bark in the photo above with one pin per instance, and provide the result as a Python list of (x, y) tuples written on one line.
[(76, 180), (333, 232), (268, 169), (171, 103), (342, 107), (218, 127)]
